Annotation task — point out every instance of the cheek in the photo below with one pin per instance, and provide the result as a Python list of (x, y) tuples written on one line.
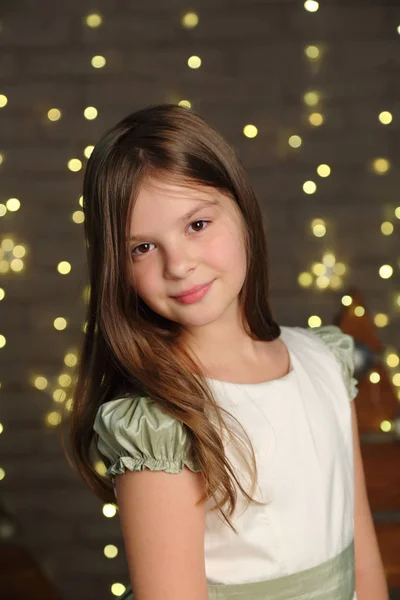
[(145, 282), (226, 253)]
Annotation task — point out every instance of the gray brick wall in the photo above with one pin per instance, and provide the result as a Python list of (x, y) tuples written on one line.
[(254, 71)]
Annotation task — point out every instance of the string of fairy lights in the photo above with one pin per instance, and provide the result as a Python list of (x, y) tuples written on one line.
[(326, 273)]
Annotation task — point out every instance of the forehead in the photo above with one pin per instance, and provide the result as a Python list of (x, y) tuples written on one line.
[(158, 189), (168, 203)]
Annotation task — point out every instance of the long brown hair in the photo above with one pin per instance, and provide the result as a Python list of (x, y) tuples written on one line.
[(127, 348)]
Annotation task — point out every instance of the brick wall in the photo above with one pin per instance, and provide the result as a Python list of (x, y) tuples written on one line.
[(254, 71)]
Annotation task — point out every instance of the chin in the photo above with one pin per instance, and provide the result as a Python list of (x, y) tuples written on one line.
[(200, 319)]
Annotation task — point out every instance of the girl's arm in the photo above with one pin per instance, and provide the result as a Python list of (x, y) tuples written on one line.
[(370, 575), (163, 533)]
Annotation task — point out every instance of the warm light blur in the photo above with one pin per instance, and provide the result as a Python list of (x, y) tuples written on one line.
[(110, 551), (64, 267), (295, 141), (311, 5), (74, 164), (250, 131), (190, 20), (194, 62), (93, 20), (90, 113), (88, 151), (324, 170), (381, 166), (314, 321), (359, 311), (386, 271), (381, 320), (312, 52), (54, 114), (60, 323), (70, 359), (40, 382), (309, 187), (311, 98), (385, 117), (13, 204), (316, 119), (387, 228), (318, 227), (347, 300), (117, 589), (109, 510), (78, 216), (98, 62)]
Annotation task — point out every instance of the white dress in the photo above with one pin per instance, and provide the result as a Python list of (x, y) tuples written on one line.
[(300, 429)]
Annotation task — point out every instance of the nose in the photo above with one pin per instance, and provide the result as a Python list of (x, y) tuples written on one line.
[(179, 261)]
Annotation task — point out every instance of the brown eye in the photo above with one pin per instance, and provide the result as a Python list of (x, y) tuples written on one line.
[(140, 246), (137, 254), (199, 221)]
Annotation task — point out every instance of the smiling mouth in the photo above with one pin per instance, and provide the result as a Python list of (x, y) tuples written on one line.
[(198, 294), (194, 289)]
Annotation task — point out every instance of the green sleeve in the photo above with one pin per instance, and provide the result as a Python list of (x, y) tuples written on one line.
[(342, 346), (135, 433)]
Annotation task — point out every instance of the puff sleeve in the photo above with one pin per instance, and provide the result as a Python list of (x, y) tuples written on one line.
[(135, 433), (342, 346)]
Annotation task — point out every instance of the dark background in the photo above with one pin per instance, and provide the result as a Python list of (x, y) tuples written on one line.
[(254, 71)]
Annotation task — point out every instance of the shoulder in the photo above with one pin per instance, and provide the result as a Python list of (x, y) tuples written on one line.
[(120, 413), (326, 335), (329, 339), (335, 346), (135, 433)]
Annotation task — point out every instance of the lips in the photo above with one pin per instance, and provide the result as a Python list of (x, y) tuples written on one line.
[(192, 290)]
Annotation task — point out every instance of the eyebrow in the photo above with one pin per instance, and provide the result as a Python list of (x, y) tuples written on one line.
[(200, 204)]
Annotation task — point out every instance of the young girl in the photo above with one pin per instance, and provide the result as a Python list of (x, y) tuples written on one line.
[(230, 442)]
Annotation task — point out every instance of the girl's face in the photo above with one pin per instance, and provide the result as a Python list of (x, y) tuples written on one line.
[(174, 251)]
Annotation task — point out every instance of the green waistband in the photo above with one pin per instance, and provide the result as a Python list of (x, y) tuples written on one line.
[(331, 580)]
